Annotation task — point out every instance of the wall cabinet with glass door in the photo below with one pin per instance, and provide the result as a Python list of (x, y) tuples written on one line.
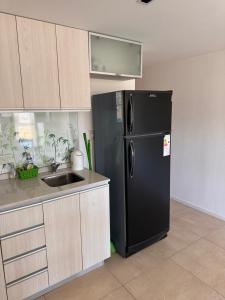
[(115, 56)]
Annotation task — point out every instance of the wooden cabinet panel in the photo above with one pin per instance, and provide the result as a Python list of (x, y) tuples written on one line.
[(25, 265), (2, 281), (23, 242), (95, 226), (38, 57), (62, 229), (20, 219), (74, 78), (27, 287), (10, 79)]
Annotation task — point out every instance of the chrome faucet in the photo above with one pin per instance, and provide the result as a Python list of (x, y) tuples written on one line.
[(12, 170), (54, 167)]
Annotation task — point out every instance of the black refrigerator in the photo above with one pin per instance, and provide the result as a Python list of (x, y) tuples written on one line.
[(132, 147)]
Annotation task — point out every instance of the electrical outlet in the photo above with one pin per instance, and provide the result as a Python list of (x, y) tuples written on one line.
[(6, 159)]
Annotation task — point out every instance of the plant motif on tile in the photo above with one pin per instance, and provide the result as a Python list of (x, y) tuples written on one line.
[(48, 137)]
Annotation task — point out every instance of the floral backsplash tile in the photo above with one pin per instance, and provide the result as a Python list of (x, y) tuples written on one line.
[(47, 136)]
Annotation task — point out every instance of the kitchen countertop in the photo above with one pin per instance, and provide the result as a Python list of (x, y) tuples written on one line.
[(15, 193)]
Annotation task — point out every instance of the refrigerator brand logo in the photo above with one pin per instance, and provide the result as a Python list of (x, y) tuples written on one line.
[(152, 96)]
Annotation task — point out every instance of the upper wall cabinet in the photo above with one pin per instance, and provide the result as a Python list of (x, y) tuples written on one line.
[(74, 78), (115, 56), (39, 70), (10, 80)]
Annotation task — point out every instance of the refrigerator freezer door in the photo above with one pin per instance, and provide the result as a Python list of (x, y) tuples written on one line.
[(147, 112), (148, 188)]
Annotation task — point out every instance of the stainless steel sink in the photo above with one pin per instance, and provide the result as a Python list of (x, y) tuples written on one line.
[(61, 179)]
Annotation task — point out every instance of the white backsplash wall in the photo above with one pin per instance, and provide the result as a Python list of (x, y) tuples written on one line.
[(98, 86), (38, 133)]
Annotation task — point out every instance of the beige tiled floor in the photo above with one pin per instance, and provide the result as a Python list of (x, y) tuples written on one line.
[(188, 264)]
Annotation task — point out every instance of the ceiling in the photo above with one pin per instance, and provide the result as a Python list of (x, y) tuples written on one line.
[(169, 29)]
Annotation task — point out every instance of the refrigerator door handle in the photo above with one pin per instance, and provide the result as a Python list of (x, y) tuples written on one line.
[(131, 114), (132, 158)]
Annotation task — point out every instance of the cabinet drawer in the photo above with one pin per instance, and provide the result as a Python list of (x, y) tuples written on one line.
[(23, 242), (20, 219), (28, 286), (25, 265)]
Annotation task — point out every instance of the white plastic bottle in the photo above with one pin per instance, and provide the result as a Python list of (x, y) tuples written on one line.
[(77, 160)]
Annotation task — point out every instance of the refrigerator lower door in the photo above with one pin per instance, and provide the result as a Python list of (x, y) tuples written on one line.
[(147, 188)]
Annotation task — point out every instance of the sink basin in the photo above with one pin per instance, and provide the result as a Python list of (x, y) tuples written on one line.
[(62, 179)]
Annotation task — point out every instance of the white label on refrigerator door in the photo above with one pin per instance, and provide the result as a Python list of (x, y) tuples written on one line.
[(166, 145)]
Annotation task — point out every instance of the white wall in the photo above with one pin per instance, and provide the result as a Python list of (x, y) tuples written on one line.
[(99, 85), (198, 127)]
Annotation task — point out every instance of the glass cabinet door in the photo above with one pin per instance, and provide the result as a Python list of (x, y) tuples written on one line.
[(115, 56)]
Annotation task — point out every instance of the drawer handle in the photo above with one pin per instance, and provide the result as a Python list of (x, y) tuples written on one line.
[(20, 208), (9, 236), (26, 277), (10, 260)]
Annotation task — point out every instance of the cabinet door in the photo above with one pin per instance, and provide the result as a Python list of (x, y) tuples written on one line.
[(115, 56), (74, 78), (63, 241), (38, 57), (95, 226), (2, 281), (10, 79)]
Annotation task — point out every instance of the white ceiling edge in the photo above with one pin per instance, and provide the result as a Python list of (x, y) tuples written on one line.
[(170, 30)]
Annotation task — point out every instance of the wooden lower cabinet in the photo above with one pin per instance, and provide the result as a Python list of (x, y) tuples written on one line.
[(2, 281), (63, 240), (95, 226), (76, 232)]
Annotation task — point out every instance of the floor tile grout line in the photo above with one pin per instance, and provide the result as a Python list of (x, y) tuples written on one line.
[(124, 286), (124, 283), (114, 276), (218, 246), (144, 271), (112, 291), (201, 237), (191, 243), (170, 259), (191, 231), (212, 288)]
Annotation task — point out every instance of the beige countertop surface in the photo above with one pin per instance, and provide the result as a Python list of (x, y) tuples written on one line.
[(15, 193)]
